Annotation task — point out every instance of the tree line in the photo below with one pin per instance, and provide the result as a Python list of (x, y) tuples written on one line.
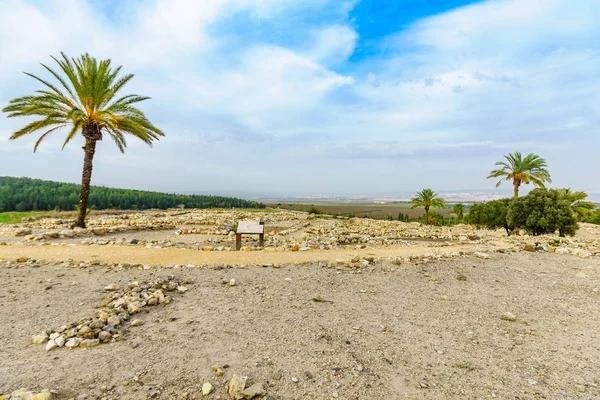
[(26, 194)]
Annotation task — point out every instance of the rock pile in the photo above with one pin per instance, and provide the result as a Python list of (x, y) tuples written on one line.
[(113, 314), (24, 394)]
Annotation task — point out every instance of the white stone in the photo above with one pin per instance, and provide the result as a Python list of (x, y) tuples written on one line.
[(60, 341), (51, 345), (206, 389), (40, 339)]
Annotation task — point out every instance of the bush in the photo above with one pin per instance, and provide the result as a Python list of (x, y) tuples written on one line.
[(433, 218), (593, 218), (490, 215), (543, 211), (314, 210)]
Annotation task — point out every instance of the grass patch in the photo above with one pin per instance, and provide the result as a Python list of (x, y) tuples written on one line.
[(16, 217)]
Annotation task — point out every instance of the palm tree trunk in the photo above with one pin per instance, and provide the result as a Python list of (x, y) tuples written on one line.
[(516, 185), (86, 178)]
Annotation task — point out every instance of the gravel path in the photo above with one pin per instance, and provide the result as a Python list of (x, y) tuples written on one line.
[(143, 255)]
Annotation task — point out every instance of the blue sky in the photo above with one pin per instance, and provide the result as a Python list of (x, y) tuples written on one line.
[(322, 96)]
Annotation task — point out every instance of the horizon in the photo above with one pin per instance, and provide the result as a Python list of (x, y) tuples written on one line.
[(464, 196), (339, 98)]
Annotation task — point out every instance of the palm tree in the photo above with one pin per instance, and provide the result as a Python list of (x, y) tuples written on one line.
[(520, 170), (459, 210), (580, 207), (85, 102), (427, 198)]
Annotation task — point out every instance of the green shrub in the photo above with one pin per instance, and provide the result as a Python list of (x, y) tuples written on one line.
[(490, 215), (314, 210), (543, 211), (593, 218)]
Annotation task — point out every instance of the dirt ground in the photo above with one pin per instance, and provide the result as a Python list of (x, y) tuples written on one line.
[(391, 332), (420, 318)]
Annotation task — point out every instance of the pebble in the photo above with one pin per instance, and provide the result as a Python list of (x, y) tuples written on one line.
[(111, 287), (137, 322), (232, 282), (206, 389), (104, 336), (89, 343), (51, 345), (295, 380), (73, 342), (39, 339), (114, 320), (60, 341), (508, 316)]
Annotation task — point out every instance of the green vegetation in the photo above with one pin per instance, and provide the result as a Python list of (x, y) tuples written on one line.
[(490, 215), (314, 210), (16, 217), (581, 208), (427, 199), (531, 169), (543, 211), (86, 101), (594, 218), (361, 210), (459, 210), (25, 194)]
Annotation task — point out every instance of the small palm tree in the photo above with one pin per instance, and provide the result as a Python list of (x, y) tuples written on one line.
[(85, 102), (520, 170), (427, 198), (580, 207), (459, 210)]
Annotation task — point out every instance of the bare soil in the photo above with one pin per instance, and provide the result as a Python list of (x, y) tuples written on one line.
[(390, 332)]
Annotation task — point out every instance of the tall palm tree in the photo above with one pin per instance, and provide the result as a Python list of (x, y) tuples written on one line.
[(85, 102), (427, 198), (459, 210), (531, 169), (580, 207)]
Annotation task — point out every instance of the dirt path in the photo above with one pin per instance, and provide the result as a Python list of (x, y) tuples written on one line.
[(143, 255)]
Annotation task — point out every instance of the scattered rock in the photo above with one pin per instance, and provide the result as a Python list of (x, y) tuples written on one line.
[(182, 289), (60, 341), (481, 255), (51, 345), (89, 343), (113, 320), (104, 336), (236, 386), (530, 248), (40, 339), (73, 342), (295, 380), (111, 287), (508, 316), (24, 394), (253, 391), (137, 322), (232, 282), (206, 389)]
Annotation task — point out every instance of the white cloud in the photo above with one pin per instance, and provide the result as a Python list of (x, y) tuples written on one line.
[(468, 85)]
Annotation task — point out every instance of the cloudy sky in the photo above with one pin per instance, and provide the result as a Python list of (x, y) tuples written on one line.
[(292, 97)]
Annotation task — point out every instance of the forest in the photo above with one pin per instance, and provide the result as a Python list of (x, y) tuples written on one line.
[(26, 194)]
